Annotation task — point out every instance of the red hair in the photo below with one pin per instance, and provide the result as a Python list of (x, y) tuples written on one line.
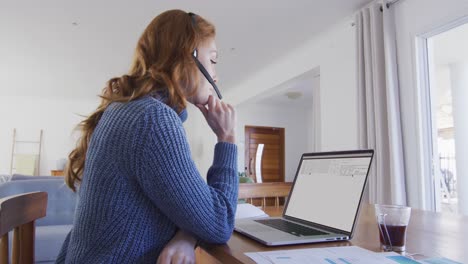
[(162, 63)]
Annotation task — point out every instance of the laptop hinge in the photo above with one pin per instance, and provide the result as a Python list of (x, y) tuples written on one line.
[(319, 226)]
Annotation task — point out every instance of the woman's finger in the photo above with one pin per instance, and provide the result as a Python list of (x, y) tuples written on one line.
[(176, 259), (224, 106), (211, 102), (162, 259)]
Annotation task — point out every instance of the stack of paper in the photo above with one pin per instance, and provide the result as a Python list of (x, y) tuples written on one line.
[(247, 211)]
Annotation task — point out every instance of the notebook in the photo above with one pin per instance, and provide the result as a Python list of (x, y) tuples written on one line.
[(323, 204)]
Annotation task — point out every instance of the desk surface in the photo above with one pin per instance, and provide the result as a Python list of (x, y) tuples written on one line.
[(430, 234)]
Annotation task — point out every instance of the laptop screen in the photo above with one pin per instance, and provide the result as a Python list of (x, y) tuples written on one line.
[(328, 188)]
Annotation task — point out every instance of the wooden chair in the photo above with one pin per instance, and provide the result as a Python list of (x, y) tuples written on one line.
[(264, 190), (19, 212)]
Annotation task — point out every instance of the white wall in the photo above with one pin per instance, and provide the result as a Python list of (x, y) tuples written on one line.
[(414, 18), (56, 116), (334, 52), (293, 119)]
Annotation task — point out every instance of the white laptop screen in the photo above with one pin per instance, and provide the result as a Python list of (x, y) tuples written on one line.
[(328, 189)]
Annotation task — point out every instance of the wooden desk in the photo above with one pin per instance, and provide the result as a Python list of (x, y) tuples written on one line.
[(430, 234)]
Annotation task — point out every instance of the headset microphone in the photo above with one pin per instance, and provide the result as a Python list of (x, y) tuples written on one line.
[(206, 74), (200, 66)]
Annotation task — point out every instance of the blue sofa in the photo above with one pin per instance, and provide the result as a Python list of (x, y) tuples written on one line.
[(52, 229)]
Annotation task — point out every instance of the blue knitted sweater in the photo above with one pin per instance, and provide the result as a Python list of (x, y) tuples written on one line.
[(140, 185)]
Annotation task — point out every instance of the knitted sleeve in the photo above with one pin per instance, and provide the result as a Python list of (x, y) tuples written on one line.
[(169, 177)]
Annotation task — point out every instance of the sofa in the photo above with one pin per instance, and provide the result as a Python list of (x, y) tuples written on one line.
[(54, 227)]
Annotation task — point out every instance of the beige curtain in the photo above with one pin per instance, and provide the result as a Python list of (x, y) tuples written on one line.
[(378, 103)]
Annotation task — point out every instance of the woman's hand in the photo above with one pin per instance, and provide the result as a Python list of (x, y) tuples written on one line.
[(221, 117), (180, 250)]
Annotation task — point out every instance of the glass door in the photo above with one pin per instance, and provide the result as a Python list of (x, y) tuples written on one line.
[(448, 70)]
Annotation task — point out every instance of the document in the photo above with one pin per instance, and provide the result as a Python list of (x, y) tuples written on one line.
[(417, 258), (439, 261), (328, 255)]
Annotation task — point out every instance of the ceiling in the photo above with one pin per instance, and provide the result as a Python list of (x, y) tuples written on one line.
[(297, 92), (71, 48)]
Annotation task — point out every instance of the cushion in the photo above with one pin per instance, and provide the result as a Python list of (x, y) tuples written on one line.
[(49, 240)]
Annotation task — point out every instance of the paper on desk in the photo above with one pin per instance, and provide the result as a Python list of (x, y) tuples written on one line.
[(398, 258), (328, 255), (421, 259), (439, 261), (247, 211)]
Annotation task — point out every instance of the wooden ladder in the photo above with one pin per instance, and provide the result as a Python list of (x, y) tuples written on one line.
[(30, 142)]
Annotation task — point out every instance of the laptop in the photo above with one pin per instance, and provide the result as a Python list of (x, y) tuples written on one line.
[(323, 204)]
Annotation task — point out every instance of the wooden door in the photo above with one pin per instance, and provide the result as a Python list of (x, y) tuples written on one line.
[(272, 164)]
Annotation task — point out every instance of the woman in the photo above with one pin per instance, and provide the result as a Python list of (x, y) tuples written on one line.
[(141, 196)]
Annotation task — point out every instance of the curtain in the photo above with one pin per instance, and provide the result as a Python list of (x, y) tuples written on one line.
[(379, 122)]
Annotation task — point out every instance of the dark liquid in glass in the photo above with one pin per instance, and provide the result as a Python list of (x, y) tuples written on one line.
[(397, 235)]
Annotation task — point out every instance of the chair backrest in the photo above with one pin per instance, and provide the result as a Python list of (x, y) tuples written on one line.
[(264, 190), (19, 213), (62, 201)]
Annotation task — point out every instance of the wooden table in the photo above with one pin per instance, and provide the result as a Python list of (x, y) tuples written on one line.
[(430, 234)]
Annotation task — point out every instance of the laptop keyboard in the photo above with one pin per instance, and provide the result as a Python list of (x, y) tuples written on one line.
[(291, 228)]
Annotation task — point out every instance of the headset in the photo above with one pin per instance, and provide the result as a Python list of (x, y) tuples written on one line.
[(200, 66)]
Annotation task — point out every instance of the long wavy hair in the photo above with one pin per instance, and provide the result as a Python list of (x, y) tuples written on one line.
[(162, 63)]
